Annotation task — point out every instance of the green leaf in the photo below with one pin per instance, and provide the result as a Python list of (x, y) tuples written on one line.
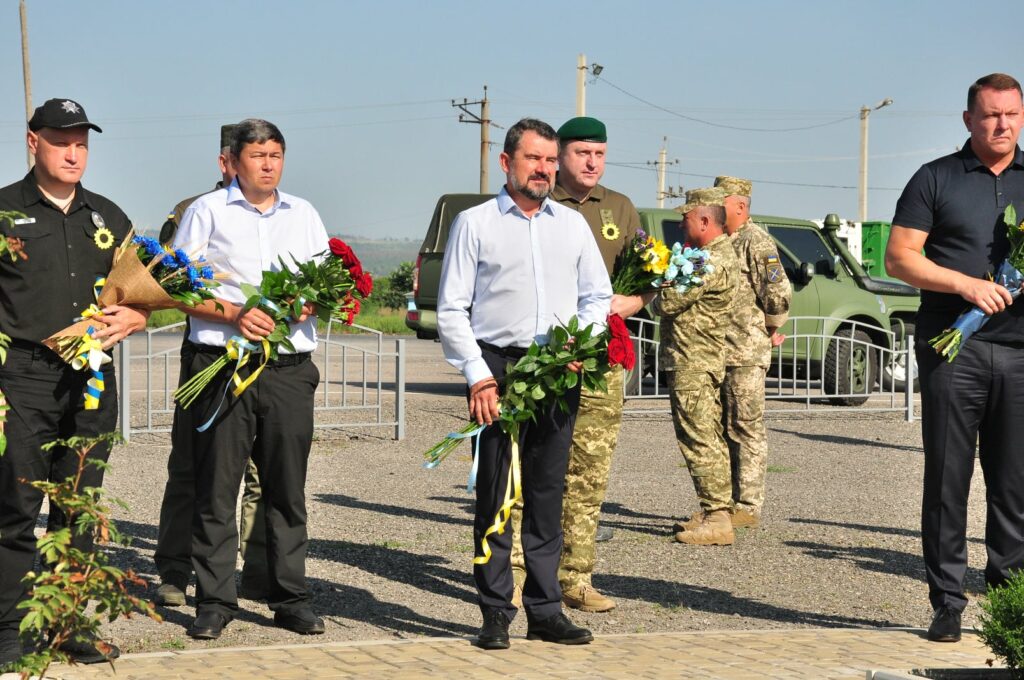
[(537, 393), (571, 379), (1010, 216), (589, 364), (519, 387), (249, 290)]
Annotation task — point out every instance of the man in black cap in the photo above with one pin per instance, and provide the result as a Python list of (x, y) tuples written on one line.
[(68, 235), (173, 556)]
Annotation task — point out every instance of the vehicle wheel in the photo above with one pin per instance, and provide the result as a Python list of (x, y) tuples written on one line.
[(895, 379), (851, 367)]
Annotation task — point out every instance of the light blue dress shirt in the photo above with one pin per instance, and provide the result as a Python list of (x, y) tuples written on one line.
[(507, 278), (237, 239)]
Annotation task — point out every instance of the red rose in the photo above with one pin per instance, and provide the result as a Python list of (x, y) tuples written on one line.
[(342, 250), (617, 327), (364, 284), (355, 271), (620, 346)]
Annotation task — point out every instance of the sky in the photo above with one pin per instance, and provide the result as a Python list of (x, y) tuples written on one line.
[(362, 92)]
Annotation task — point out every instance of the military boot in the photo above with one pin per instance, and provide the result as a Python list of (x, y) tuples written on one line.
[(714, 529), (691, 522), (745, 518), (586, 599)]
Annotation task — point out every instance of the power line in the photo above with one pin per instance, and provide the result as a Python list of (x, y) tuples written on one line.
[(638, 166), (720, 125)]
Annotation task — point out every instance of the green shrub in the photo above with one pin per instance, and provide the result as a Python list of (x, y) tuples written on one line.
[(1002, 622), (164, 317)]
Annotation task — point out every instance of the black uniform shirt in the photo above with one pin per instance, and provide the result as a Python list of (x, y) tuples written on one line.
[(45, 293), (959, 203)]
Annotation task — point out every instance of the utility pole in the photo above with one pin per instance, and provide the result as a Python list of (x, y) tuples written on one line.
[(864, 113), (581, 85), (662, 163), (26, 71), (484, 121)]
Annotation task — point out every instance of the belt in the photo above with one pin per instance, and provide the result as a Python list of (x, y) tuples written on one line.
[(503, 352), (281, 360)]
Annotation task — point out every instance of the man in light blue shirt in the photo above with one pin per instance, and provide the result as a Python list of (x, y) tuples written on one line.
[(513, 267), (243, 230)]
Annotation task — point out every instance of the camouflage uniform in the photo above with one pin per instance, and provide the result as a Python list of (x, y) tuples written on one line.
[(762, 301), (609, 214), (693, 328)]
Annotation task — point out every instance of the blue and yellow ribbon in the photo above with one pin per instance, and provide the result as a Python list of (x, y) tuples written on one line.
[(239, 349), (90, 355), (513, 492)]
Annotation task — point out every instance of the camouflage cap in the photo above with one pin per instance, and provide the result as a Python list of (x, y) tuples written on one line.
[(227, 134), (582, 129), (695, 198), (734, 186)]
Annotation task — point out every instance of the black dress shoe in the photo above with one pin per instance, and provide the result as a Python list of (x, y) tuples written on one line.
[(494, 633), (603, 534), (945, 625), (208, 625), (557, 628), (86, 648), (301, 621)]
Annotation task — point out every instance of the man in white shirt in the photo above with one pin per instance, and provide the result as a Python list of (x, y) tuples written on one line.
[(515, 266), (244, 229)]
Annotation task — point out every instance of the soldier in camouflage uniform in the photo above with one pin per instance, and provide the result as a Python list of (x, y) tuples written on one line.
[(762, 302), (693, 346), (614, 221)]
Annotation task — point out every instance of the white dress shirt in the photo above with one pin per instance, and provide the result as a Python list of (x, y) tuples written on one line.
[(238, 240), (507, 278)]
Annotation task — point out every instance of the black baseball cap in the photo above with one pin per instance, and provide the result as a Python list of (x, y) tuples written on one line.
[(60, 114)]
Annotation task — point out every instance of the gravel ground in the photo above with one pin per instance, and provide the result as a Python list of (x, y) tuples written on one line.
[(391, 547)]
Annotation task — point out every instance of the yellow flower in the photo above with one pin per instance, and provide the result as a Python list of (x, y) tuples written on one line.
[(103, 238), (610, 231), (658, 258)]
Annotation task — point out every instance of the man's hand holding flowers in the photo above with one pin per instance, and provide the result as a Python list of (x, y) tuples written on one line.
[(120, 322), (483, 401)]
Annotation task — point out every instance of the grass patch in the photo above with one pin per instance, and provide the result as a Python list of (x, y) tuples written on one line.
[(176, 643), (164, 317), (393, 545), (781, 468)]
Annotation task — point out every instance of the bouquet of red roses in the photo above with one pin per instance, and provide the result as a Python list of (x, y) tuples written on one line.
[(326, 282)]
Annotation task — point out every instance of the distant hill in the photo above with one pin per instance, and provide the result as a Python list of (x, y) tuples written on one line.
[(382, 256), (379, 256)]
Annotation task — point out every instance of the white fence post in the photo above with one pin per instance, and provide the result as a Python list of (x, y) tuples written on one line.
[(399, 389), (124, 369)]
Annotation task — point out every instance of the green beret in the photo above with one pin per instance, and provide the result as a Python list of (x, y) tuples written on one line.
[(705, 196), (734, 186), (582, 129), (227, 134)]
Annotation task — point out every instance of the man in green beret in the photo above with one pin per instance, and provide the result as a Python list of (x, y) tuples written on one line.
[(583, 144), (694, 324)]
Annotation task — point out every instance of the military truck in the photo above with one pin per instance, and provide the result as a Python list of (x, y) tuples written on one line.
[(845, 311)]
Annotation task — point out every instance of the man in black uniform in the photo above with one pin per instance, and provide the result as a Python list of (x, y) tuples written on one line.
[(953, 208), (68, 235)]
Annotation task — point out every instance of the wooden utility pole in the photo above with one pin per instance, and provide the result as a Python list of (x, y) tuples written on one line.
[(26, 71), (662, 163), (484, 121), (865, 111), (581, 85)]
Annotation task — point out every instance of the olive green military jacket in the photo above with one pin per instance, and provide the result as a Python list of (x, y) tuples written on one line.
[(762, 299), (694, 323), (170, 227), (611, 216)]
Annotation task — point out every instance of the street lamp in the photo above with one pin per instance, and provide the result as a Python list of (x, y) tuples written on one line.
[(864, 113)]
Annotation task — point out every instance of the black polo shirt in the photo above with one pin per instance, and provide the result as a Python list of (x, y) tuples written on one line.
[(45, 293), (959, 203)]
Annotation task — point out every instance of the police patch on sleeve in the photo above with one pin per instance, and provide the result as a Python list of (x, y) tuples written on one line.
[(773, 268)]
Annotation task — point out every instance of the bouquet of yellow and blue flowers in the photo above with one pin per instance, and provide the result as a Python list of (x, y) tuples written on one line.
[(648, 264), (145, 275), (948, 342)]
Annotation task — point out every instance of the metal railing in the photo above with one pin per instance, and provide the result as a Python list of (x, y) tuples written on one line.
[(858, 365), (362, 384)]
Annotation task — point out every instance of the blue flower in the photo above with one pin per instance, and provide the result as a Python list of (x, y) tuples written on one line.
[(150, 244), (182, 258)]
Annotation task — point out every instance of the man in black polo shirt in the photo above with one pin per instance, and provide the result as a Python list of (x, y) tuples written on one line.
[(953, 208), (68, 235)]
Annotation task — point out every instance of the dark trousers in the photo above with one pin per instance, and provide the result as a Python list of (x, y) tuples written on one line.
[(273, 422), (544, 453), (46, 402), (978, 398), (173, 556)]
